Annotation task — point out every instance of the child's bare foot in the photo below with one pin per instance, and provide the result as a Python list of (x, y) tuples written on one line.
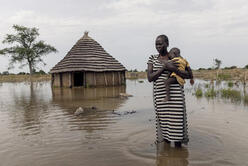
[(167, 98)]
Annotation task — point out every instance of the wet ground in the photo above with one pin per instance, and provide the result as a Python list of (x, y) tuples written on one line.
[(38, 127)]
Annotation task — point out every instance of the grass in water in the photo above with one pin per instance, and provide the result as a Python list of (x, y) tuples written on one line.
[(246, 98), (231, 94), (210, 93), (230, 84), (198, 92)]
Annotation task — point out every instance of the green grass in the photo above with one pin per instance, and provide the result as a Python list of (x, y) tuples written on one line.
[(230, 84), (231, 94), (245, 99), (210, 93), (198, 92), (224, 76)]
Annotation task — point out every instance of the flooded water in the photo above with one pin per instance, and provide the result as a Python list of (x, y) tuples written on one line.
[(38, 127)]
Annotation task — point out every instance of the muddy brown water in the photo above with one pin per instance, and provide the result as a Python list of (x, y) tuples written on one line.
[(38, 127)]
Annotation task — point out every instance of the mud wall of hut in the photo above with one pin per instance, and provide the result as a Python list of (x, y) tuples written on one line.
[(91, 79), (56, 80)]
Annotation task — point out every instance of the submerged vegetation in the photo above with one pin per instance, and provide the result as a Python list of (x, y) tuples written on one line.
[(198, 92), (231, 94), (211, 92), (228, 91)]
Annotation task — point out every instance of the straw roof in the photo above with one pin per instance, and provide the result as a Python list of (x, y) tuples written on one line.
[(87, 55)]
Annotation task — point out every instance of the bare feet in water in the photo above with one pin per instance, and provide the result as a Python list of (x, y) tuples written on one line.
[(178, 144)]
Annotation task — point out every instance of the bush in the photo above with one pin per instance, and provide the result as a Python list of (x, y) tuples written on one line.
[(21, 73), (41, 72), (246, 67), (5, 73), (233, 67)]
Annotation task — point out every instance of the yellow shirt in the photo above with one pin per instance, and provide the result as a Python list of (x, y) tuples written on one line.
[(181, 66)]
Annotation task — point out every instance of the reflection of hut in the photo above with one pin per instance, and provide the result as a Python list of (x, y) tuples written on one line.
[(88, 64), (104, 98)]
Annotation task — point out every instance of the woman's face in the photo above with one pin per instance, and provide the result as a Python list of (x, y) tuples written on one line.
[(161, 45)]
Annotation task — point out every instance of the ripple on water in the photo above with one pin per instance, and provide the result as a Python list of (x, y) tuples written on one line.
[(205, 147), (140, 145)]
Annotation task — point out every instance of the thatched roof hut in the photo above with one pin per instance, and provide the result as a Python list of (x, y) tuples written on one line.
[(88, 64)]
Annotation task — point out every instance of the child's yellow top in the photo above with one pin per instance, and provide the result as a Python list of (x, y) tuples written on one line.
[(181, 66)]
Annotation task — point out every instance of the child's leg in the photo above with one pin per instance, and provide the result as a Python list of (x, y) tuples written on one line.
[(167, 83)]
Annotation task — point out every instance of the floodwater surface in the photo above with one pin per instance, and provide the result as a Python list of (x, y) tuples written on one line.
[(38, 127)]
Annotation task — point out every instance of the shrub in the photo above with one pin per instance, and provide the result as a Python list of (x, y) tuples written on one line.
[(246, 67), (233, 67), (5, 73), (21, 73)]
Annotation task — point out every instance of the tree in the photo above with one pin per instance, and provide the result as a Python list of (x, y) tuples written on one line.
[(26, 50), (217, 63)]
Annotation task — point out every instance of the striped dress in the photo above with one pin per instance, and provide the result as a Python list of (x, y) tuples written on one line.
[(171, 118)]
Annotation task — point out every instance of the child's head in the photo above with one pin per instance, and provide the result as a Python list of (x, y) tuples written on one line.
[(174, 52)]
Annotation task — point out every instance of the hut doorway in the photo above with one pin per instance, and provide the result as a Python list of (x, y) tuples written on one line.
[(78, 79)]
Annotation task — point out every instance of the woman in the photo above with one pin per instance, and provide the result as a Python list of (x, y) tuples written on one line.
[(171, 115)]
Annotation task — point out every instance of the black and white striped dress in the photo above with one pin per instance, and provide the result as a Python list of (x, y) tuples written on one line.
[(171, 118)]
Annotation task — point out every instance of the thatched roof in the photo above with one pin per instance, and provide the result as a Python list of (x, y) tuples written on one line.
[(87, 55)]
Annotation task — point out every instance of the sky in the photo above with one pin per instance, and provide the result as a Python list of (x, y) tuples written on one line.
[(127, 29)]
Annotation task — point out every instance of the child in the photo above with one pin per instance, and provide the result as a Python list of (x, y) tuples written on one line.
[(174, 54)]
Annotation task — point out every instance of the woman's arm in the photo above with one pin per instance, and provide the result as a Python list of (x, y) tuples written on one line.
[(172, 66), (184, 74), (153, 76), (190, 72)]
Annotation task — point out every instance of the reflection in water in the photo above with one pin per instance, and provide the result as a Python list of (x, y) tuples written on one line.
[(171, 156), (103, 100), (37, 123), (103, 97), (30, 110)]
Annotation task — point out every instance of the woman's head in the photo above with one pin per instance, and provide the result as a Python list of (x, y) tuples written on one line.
[(161, 44)]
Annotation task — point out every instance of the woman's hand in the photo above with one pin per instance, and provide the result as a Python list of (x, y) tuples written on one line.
[(170, 65)]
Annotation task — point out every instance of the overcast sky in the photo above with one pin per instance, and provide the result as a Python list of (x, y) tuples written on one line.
[(126, 29)]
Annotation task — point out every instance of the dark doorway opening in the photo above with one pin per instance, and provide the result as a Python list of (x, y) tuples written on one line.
[(78, 79)]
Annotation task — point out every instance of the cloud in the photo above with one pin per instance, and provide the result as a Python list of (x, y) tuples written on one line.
[(132, 25)]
